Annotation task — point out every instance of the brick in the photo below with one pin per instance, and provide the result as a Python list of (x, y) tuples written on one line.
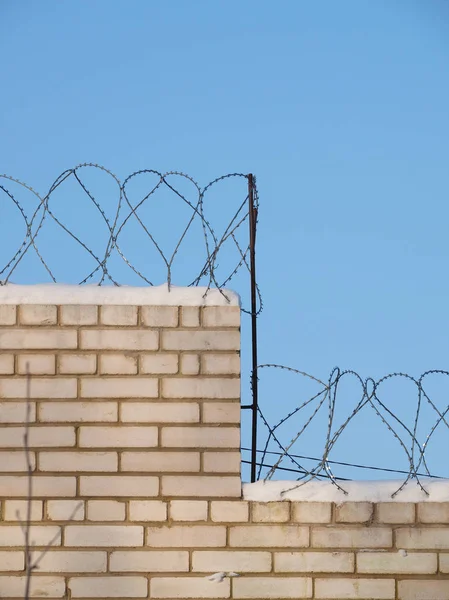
[(75, 314), (39, 437), (159, 316), (188, 510), (119, 387), (150, 561), (12, 535), (433, 512), (188, 587), (444, 562), (78, 412), (118, 364), (118, 315), (353, 512), (394, 563), (164, 462), (41, 586), (223, 511), (270, 512), (159, 363), (212, 561), (42, 486), (272, 587), (221, 412), (77, 364), (221, 462), (269, 536), (197, 485), (79, 561), (147, 510), (221, 316), (15, 461), (78, 461), (190, 364), (351, 537), (65, 510), (119, 339), (193, 387), (108, 587), (37, 339), (119, 485), (38, 364), (186, 536), (117, 437), (6, 364), (8, 314), (314, 562), (200, 340), (311, 512), (103, 535), (12, 561), (190, 316), (160, 412), (201, 437), (375, 589), (423, 590), (38, 314), (434, 538), (12, 507), (220, 364), (105, 510), (16, 412), (395, 512), (42, 387)]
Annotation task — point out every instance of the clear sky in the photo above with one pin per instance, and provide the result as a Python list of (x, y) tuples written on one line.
[(339, 108)]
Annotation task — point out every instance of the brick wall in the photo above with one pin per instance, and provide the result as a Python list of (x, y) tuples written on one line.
[(135, 425)]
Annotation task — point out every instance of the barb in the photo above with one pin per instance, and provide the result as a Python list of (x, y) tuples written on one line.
[(413, 443), (224, 249)]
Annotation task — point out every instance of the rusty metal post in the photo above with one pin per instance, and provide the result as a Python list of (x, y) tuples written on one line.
[(254, 381)]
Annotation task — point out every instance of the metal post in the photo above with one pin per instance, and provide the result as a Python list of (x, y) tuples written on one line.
[(254, 381)]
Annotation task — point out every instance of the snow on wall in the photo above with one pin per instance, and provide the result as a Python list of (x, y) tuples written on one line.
[(51, 293), (357, 491)]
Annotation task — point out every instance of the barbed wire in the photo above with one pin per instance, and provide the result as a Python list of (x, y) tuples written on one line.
[(121, 211), (326, 398), (125, 211)]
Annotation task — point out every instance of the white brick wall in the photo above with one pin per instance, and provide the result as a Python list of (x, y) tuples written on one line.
[(269, 587), (108, 587), (103, 535), (187, 536), (149, 561), (147, 510), (135, 421), (260, 536), (314, 562), (351, 537), (375, 589), (38, 314), (188, 510), (38, 364), (119, 485), (188, 587), (241, 561), (125, 436), (43, 586), (159, 461), (106, 510), (78, 315)]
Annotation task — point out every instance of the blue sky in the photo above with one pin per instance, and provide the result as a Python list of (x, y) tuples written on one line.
[(338, 108)]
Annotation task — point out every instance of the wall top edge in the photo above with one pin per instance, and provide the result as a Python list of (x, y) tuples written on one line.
[(356, 491), (55, 293)]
